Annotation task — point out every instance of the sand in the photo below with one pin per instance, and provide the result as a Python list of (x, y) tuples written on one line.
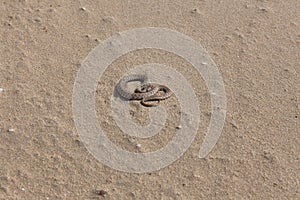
[(255, 45)]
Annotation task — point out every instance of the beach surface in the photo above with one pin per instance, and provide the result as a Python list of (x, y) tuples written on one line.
[(255, 45)]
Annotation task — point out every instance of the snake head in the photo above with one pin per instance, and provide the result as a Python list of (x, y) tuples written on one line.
[(144, 88)]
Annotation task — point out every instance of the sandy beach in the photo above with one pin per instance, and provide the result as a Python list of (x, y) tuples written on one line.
[(255, 46)]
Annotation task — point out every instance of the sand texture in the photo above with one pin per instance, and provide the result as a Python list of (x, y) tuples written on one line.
[(256, 47)]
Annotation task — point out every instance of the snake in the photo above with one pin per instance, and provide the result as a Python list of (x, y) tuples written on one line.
[(146, 92)]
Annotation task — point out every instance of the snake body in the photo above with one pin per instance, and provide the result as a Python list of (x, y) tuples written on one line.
[(163, 93), (146, 92)]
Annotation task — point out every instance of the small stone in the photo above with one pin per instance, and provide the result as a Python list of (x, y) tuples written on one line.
[(11, 130), (83, 8), (23, 189), (101, 192), (1, 89), (263, 9), (195, 10), (204, 63), (234, 125), (138, 145), (38, 20), (179, 127)]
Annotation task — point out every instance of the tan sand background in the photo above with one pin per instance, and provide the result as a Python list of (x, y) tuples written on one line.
[(255, 45)]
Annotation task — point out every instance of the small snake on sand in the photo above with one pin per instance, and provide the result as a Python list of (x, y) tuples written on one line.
[(145, 92)]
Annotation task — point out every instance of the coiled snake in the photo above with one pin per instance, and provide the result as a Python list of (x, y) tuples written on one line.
[(146, 92)]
